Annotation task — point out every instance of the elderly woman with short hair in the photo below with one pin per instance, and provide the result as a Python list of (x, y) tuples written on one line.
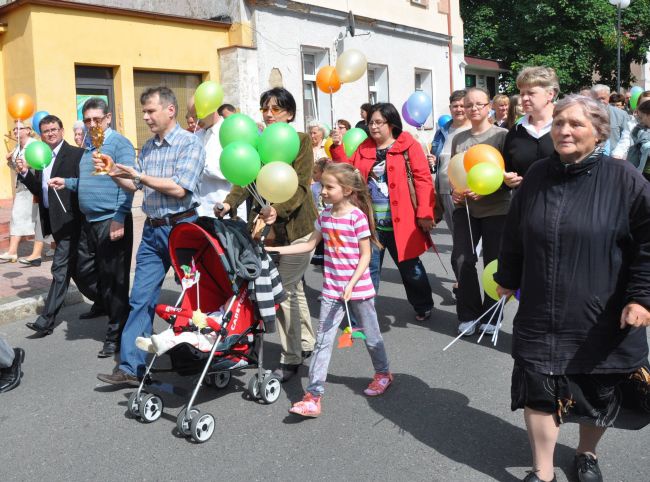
[(79, 133), (530, 140), (318, 132), (577, 245)]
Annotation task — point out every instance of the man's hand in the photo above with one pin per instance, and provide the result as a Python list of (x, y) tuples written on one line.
[(102, 162), (472, 195), (635, 315), (116, 231), (122, 171), (512, 179), (269, 215), (426, 224), (337, 139), (57, 183), (221, 209), (501, 291)]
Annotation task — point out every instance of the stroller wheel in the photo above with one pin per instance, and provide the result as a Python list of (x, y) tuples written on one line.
[(183, 421), (134, 404), (202, 428), (151, 408), (270, 389), (221, 379), (254, 387)]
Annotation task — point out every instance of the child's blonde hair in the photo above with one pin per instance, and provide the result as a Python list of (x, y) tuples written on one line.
[(350, 178)]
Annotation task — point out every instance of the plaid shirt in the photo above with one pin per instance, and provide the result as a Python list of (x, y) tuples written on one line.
[(181, 157)]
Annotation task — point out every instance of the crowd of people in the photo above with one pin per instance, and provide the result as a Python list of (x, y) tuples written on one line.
[(569, 226)]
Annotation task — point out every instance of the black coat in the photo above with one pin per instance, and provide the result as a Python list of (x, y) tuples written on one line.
[(53, 220), (577, 243), (521, 149)]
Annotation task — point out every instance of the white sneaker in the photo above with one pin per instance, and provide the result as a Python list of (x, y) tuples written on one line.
[(465, 325), (488, 329)]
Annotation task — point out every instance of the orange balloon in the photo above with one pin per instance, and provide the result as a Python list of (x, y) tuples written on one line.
[(21, 106), (482, 153), (327, 79)]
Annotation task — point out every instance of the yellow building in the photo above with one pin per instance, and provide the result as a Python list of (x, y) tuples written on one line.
[(61, 52)]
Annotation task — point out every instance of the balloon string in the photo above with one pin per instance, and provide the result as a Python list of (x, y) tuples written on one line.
[(253, 190), (469, 223)]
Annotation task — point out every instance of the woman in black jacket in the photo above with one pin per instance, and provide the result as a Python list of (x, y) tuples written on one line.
[(577, 244)]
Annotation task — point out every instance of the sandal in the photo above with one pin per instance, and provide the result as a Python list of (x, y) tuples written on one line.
[(423, 316), (309, 406)]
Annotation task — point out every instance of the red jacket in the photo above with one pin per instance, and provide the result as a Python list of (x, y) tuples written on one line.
[(411, 241)]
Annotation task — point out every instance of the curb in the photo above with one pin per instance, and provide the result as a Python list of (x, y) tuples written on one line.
[(32, 305)]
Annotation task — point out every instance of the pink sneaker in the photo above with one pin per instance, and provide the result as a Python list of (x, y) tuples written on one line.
[(309, 406), (379, 384)]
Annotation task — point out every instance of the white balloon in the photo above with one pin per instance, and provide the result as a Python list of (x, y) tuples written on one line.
[(351, 65), (277, 182)]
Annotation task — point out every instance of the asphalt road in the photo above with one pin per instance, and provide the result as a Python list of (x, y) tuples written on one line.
[(447, 416)]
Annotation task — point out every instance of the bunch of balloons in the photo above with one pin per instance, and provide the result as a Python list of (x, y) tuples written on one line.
[(260, 163), (480, 169), (417, 109), (635, 92), (350, 66)]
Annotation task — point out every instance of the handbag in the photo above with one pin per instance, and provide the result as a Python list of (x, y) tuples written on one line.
[(409, 181)]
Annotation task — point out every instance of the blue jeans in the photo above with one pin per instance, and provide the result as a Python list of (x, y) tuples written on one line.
[(414, 276), (152, 264)]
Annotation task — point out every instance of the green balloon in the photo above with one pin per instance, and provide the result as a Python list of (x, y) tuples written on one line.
[(38, 155), (484, 178), (634, 99), (489, 285), (240, 163), (238, 128), (279, 142), (207, 98), (353, 139)]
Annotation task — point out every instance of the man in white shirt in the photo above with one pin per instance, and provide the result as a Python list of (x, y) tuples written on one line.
[(214, 186)]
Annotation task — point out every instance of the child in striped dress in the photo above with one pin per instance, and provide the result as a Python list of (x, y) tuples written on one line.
[(347, 227)]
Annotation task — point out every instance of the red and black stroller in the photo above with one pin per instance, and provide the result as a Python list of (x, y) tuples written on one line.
[(238, 337)]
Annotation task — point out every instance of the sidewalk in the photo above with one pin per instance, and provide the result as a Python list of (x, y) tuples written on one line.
[(23, 289)]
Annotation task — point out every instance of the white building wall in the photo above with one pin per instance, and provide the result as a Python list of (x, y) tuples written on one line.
[(280, 37)]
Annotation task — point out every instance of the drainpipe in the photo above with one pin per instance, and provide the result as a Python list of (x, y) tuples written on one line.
[(451, 63)]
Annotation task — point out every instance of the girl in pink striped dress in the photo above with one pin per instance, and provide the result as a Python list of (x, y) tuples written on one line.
[(347, 227)]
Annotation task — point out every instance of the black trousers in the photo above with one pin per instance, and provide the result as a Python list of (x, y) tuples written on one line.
[(71, 260), (111, 267), (469, 304)]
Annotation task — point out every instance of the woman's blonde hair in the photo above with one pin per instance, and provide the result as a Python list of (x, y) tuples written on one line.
[(539, 77), (350, 178)]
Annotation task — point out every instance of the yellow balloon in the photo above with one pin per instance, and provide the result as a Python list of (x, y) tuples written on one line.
[(328, 144), (351, 65), (457, 173), (277, 182)]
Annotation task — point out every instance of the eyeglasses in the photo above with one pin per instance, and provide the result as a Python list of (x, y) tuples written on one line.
[(377, 123), (479, 106), (275, 109), (53, 130), (96, 120)]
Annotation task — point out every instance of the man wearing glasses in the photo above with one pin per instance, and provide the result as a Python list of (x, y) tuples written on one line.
[(108, 228), (60, 217)]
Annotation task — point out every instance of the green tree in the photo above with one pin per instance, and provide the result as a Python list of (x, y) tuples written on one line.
[(575, 37)]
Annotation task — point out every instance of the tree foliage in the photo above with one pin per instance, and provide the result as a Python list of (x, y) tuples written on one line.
[(575, 37)]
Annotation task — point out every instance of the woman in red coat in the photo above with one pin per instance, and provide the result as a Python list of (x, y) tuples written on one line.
[(401, 228)]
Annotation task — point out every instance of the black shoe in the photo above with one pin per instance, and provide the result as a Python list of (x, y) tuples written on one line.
[(39, 329), (95, 312), (10, 377), (286, 372), (532, 477), (30, 262), (306, 354), (587, 468), (119, 377), (110, 348)]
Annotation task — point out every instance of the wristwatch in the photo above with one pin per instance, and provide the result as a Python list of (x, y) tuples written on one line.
[(137, 182)]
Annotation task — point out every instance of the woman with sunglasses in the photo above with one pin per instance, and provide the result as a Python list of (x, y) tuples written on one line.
[(293, 222), (402, 226)]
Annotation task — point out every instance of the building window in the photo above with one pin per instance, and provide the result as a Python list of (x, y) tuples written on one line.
[(95, 82), (491, 85), (470, 80), (377, 83), (424, 82), (422, 3), (183, 86), (316, 105)]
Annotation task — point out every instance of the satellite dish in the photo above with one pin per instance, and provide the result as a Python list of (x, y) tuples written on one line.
[(351, 25)]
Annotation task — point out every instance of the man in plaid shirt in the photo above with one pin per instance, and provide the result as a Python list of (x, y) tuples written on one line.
[(169, 171)]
